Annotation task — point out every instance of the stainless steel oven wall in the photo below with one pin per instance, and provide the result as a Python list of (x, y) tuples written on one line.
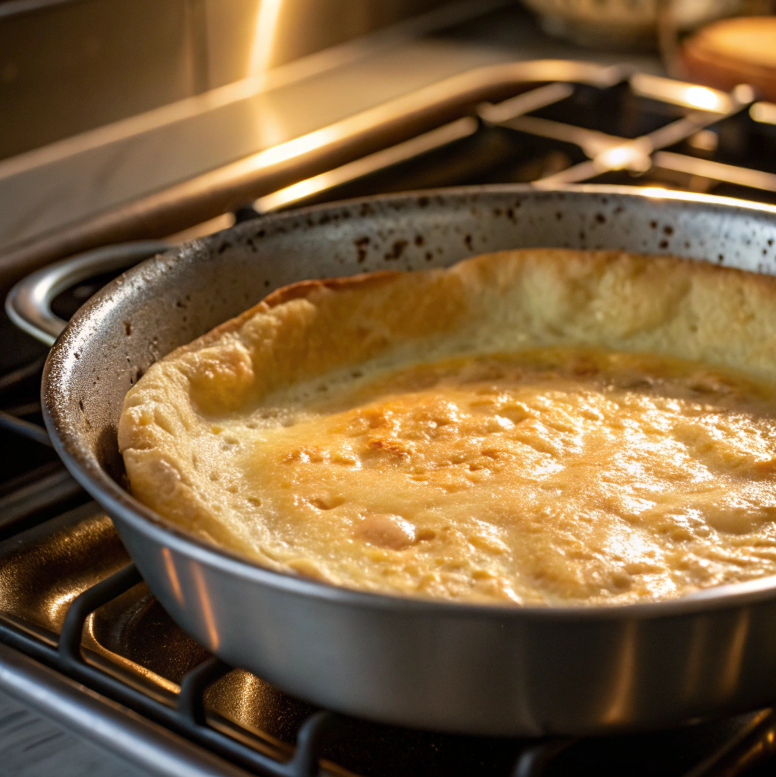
[(248, 36), (67, 66)]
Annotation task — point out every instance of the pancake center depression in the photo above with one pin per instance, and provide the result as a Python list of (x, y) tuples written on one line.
[(554, 475)]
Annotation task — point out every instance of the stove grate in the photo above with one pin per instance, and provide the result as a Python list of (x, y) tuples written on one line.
[(750, 743), (641, 130)]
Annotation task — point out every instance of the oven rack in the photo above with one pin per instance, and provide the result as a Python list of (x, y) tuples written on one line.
[(672, 152)]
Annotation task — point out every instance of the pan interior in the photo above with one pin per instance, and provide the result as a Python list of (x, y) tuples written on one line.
[(172, 299)]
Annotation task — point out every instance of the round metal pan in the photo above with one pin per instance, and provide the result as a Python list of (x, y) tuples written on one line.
[(477, 669)]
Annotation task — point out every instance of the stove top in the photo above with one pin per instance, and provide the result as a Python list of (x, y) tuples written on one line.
[(81, 633)]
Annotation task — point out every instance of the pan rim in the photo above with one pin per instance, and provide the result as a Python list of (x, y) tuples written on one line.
[(118, 502)]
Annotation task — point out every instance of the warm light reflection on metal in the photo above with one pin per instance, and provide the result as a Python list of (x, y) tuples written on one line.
[(61, 602), (622, 694), (360, 167), (297, 147), (120, 667), (172, 574), (731, 674), (264, 37), (590, 141), (296, 192), (654, 191), (206, 606), (743, 94), (704, 140), (574, 174), (625, 157), (525, 102), (681, 93), (741, 176), (204, 228), (705, 99), (765, 113), (243, 699)]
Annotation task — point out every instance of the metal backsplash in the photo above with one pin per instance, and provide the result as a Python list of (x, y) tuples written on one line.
[(67, 66)]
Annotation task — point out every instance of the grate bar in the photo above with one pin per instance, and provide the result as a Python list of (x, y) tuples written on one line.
[(592, 142), (360, 168), (305, 762), (69, 645), (191, 699), (752, 745), (526, 102), (43, 488), (534, 760), (189, 715), (740, 176), (150, 746), (20, 374), (24, 428)]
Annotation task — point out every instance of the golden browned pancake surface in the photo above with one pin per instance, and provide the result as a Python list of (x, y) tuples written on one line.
[(549, 427)]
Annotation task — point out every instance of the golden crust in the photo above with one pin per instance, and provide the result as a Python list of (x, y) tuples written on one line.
[(171, 431)]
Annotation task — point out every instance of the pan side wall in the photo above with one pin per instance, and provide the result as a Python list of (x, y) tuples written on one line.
[(458, 672)]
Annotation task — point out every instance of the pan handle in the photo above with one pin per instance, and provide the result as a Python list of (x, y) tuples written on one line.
[(28, 304)]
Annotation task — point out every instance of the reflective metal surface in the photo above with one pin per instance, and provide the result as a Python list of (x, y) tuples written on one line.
[(434, 665), (28, 305), (67, 66), (238, 172), (139, 741)]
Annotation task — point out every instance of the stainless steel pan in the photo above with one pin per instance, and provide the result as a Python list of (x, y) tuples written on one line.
[(436, 665)]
